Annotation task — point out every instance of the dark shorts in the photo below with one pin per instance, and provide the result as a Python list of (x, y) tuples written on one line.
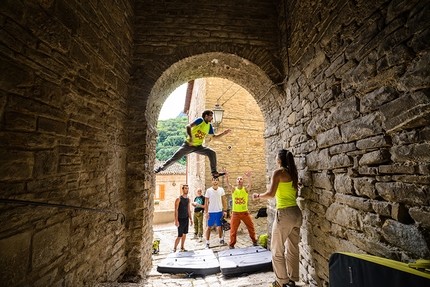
[(183, 226)]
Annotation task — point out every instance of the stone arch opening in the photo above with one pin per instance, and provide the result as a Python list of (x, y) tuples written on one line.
[(228, 66), (241, 150)]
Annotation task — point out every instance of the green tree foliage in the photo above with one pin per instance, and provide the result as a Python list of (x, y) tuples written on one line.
[(171, 135), (174, 141)]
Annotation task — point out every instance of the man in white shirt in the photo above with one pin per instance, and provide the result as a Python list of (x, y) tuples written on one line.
[(215, 209)]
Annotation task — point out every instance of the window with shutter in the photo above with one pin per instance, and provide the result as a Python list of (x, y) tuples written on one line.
[(159, 192)]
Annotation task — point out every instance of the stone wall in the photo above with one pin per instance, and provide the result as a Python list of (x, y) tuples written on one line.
[(63, 86), (358, 110)]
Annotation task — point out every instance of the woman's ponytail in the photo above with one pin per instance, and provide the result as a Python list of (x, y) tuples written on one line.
[(287, 161)]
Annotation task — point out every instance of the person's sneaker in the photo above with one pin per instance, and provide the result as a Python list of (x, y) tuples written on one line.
[(195, 236), (174, 250), (231, 246), (207, 246), (158, 169), (221, 242), (200, 239), (183, 250), (218, 174), (255, 243), (275, 284)]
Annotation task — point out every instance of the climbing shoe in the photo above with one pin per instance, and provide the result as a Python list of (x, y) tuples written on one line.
[(218, 174)]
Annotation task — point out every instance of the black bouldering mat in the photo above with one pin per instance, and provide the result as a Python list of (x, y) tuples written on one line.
[(245, 260), (192, 263), (363, 270)]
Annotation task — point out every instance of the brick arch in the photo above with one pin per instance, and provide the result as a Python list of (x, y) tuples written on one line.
[(143, 119)]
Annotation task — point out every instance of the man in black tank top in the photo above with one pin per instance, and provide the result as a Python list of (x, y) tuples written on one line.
[(182, 215)]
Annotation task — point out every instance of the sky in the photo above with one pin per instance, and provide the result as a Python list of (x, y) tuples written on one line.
[(174, 103)]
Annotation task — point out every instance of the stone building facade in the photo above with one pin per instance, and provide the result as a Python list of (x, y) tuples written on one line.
[(343, 84), (241, 150), (168, 186)]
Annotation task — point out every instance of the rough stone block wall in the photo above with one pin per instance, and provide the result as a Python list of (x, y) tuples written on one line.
[(358, 107), (63, 77)]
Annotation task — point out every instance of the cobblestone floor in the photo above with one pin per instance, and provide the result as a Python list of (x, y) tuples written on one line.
[(167, 234)]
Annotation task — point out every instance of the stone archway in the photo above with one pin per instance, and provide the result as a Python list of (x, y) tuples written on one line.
[(142, 135)]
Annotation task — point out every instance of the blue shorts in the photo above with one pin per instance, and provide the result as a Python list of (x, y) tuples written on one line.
[(215, 218)]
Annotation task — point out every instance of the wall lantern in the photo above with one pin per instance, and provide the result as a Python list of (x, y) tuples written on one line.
[(218, 114)]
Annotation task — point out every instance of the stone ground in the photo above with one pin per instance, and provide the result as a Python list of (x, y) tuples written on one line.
[(167, 234)]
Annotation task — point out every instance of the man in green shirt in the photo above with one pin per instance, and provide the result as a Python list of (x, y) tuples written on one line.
[(197, 131), (240, 211)]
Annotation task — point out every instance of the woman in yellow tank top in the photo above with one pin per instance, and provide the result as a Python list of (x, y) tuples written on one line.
[(288, 219)]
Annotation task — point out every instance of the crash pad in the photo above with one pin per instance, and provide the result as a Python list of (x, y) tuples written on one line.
[(245, 260), (192, 263)]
